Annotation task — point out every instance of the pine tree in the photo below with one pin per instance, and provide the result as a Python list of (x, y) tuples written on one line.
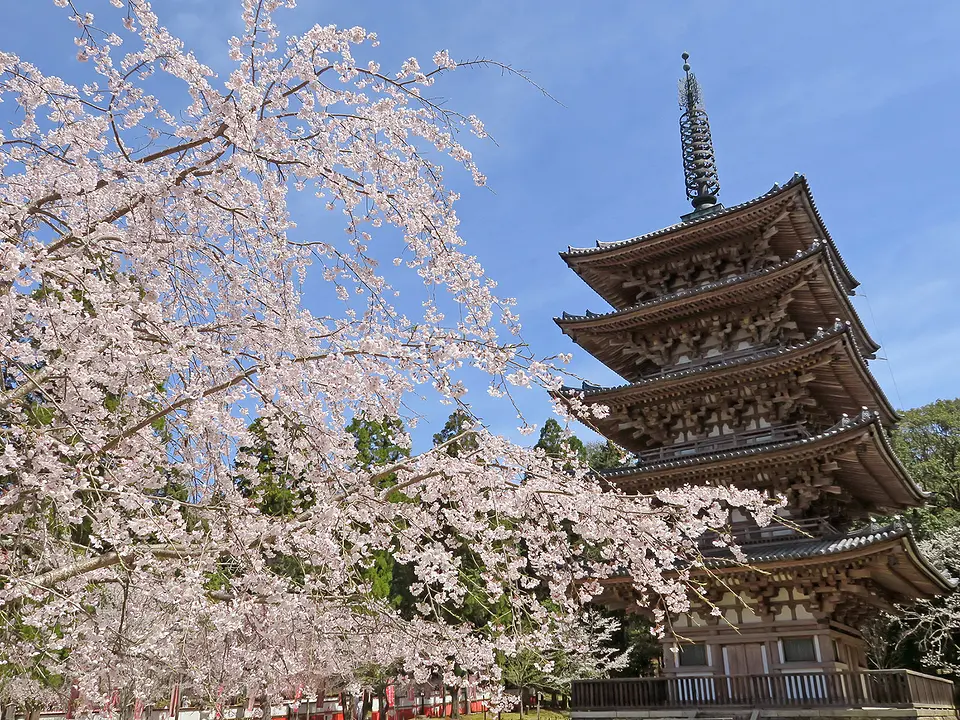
[(459, 422), (604, 455), (559, 444)]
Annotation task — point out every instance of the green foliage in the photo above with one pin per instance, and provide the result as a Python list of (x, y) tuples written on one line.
[(604, 455), (376, 443), (459, 422), (277, 492), (377, 446), (922, 637), (636, 638), (928, 443), (557, 443)]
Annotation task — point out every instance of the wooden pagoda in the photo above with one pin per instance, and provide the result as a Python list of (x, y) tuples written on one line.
[(746, 364)]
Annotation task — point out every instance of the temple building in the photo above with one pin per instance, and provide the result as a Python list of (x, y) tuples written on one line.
[(745, 363)]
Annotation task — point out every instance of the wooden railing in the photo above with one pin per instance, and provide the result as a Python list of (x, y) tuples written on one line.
[(874, 688), (718, 443), (747, 533), (757, 352)]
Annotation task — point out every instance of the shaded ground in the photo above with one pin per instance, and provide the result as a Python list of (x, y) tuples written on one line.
[(531, 715)]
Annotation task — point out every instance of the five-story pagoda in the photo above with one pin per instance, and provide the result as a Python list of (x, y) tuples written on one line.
[(745, 364)]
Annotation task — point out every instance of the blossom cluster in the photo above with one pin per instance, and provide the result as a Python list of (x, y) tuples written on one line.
[(152, 306)]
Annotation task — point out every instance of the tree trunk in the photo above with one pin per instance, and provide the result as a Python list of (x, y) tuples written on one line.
[(366, 704)]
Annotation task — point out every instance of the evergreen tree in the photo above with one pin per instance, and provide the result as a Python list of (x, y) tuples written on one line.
[(276, 491), (377, 441), (459, 422), (928, 443), (604, 455), (559, 444)]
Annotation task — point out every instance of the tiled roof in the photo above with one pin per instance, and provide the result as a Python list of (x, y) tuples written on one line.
[(823, 336), (603, 246), (589, 389), (799, 548), (802, 255), (865, 418), (796, 180), (697, 289)]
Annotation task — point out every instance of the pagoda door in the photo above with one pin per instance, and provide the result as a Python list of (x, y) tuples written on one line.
[(745, 665)]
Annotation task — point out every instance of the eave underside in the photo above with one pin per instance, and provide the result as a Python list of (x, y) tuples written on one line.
[(788, 211), (870, 568), (831, 366), (858, 457), (815, 303)]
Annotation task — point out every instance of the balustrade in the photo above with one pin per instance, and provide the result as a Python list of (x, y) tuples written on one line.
[(719, 443), (869, 688), (749, 533)]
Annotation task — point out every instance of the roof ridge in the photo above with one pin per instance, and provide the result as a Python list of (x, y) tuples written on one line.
[(777, 189), (839, 328), (800, 255), (862, 419)]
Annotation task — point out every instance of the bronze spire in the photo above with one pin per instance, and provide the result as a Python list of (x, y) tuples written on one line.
[(699, 163)]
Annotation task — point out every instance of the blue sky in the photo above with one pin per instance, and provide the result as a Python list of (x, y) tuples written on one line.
[(861, 98)]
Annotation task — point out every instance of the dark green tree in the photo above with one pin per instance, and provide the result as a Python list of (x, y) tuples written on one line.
[(276, 491), (928, 443), (636, 637), (604, 455), (459, 422), (377, 441), (556, 443)]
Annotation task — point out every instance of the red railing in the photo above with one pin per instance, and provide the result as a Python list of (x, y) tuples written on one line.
[(873, 688)]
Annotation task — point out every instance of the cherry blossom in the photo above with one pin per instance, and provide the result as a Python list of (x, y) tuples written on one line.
[(153, 304)]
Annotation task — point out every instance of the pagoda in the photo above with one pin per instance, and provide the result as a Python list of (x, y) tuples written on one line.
[(745, 364)]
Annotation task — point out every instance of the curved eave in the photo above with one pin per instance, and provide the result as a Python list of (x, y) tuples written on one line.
[(851, 282), (917, 578), (729, 215), (722, 294), (855, 355), (870, 345), (944, 583), (720, 374), (901, 493), (672, 238), (889, 457), (912, 576)]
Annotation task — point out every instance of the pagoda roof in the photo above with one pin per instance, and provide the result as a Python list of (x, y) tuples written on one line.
[(874, 475), (887, 556), (913, 576), (693, 233), (855, 386), (725, 294), (801, 548)]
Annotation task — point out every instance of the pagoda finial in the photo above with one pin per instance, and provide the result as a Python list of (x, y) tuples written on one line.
[(699, 164)]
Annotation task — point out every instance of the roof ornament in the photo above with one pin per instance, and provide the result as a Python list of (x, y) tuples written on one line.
[(699, 163)]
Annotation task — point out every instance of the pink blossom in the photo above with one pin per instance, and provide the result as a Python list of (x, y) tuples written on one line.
[(152, 279)]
